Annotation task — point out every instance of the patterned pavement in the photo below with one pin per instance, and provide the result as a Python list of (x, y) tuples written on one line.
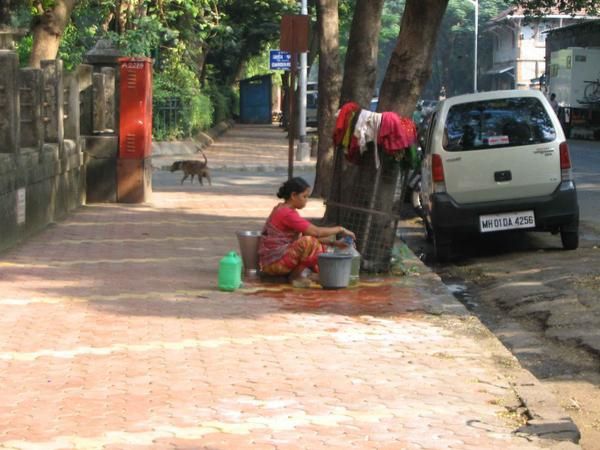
[(113, 335)]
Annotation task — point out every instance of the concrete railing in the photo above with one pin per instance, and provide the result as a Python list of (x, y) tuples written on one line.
[(44, 116)]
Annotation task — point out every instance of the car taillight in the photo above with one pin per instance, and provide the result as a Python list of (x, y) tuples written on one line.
[(437, 169), (565, 162), (565, 159)]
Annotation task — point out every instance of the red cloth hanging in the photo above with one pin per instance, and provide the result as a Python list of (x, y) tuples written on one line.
[(343, 121), (396, 133), (343, 125)]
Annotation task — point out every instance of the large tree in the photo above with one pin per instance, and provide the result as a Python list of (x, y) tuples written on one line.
[(329, 93), (48, 29), (407, 72), (360, 65), (410, 65)]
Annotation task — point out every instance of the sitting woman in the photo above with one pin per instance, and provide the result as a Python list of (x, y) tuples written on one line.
[(290, 243)]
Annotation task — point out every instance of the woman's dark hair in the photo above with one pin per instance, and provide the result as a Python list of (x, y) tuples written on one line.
[(294, 185)]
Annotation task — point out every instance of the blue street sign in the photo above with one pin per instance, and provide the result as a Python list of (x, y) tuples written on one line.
[(280, 60)]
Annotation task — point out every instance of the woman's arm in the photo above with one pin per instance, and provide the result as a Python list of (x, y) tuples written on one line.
[(323, 232)]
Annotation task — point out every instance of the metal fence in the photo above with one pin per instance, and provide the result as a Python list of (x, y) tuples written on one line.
[(171, 118), (371, 206)]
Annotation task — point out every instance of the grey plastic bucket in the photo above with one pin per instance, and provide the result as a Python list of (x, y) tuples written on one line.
[(334, 270), (249, 241)]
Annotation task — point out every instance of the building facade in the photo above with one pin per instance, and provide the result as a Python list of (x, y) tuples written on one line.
[(519, 48)]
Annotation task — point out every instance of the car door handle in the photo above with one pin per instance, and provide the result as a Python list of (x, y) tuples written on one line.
[(503, 175)]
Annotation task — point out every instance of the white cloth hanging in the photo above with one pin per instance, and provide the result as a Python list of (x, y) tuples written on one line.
[(367, 130)]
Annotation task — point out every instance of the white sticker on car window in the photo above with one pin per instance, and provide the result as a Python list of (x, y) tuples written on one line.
[(497, 140)]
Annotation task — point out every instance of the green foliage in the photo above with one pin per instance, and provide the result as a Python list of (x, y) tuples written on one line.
[(453, 62), (143, 38), (245, 30), (541, 7), (258, 65), (177, 86), (24, 50), (75, 42), (225, 101)]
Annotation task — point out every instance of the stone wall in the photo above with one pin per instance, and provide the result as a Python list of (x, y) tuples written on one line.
[(42, 158)]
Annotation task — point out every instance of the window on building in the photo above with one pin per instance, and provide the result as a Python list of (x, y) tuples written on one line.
[(540, 35)]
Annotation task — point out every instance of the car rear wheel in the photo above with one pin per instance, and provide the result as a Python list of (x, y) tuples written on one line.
[(569, 238)]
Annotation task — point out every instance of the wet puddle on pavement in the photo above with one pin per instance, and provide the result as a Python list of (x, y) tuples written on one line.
[(381, 296), (462, 294)]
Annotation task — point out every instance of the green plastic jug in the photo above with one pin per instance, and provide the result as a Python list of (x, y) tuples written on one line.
[(230, 272)]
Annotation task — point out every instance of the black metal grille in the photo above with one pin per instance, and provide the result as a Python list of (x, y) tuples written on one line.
[(170, 118), (369, 205)]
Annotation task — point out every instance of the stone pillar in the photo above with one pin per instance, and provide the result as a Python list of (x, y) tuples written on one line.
[(9, 35), (84, 79), (9, 102), (100, 130), (99, 102), (110, 96), (104, 101), (30, 93), (103, 58), (53, 101)]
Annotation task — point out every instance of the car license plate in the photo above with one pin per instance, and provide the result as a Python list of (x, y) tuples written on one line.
[(506, 221)]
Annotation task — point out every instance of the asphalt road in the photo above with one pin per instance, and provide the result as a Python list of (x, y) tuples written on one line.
[(585, 157), (538, 299)]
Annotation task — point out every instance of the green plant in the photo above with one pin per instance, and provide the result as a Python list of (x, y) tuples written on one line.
[(181, 108), (225, 101)]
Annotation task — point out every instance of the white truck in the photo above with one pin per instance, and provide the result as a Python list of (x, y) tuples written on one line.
[(575, 79)]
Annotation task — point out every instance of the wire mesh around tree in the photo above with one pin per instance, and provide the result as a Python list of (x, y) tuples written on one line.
[(368, 201)]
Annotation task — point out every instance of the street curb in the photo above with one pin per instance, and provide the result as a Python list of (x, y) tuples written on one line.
[(547, 422), (258, 168), (191, 146)]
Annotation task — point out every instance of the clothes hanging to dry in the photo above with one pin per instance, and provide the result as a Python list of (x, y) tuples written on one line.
[(367, 130), (396, 133), (355, 127)]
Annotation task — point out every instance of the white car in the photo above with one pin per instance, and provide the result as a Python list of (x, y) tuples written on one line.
[(497, 161)]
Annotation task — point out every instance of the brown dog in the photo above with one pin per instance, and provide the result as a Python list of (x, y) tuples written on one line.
[(193, 167)]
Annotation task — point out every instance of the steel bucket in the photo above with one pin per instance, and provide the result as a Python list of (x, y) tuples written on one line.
[(249, 241), (334, 270)]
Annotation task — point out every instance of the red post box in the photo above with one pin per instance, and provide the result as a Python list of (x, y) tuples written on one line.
[(135, 120), (134, 165)]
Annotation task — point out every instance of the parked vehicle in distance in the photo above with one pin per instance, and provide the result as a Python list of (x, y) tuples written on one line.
[(312, 103), (497, 161), (427, 106), (374, 104)]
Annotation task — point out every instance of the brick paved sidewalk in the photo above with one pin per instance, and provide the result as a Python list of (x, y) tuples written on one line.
[(262, 148), (113, 336)]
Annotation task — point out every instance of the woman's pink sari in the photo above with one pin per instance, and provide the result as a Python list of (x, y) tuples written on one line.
[(280, 252)]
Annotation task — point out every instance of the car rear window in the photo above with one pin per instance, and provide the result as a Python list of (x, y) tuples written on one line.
[(497, 123)]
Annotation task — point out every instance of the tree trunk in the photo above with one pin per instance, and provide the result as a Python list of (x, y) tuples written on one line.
[(201, 63), (360, 75), (410, 64), (360, 68), (48, 30), (329, 91), (407, 73)]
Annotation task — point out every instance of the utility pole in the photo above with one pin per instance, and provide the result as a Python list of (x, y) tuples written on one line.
[(303, 150)]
